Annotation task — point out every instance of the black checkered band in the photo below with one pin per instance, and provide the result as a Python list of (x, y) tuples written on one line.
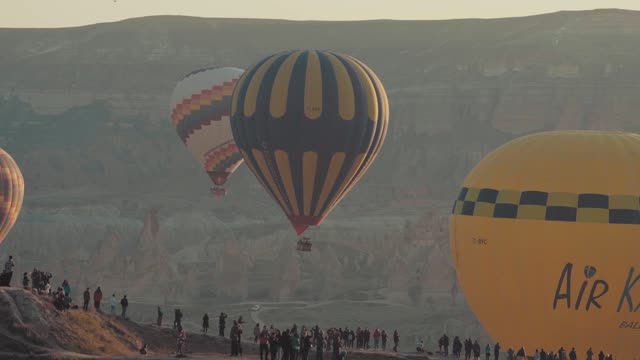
[(551, 206)]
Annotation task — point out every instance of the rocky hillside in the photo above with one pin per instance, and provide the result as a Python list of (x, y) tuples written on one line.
[(114, 199)]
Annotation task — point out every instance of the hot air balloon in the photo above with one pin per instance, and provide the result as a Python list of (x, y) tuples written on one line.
[(200, 106), (12, 192), (545, 237), (309, 124)]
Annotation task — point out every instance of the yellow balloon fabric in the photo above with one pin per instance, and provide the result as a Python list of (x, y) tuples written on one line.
[(545, 238)]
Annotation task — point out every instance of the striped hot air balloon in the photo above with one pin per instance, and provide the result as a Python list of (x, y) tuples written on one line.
[(309, 124), (200, 107), (11, 192)]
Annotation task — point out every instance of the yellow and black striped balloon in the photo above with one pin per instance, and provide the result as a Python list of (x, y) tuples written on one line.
[(11, 193), (309, 124)]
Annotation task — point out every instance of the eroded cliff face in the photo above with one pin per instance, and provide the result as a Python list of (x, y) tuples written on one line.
[(113, 197)]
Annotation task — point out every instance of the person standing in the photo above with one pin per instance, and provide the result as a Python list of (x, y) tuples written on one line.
[(573, 355), (159, 319), (86, 296), (221, 323), (496, 351), (7, 272), (487, 351), (182, 341), (589, 354), (376, 339), (285, 345), (396, 340), (113, 302), (66, 287), (205, 323), (319, 345), (125, 304), (233, 334), (383, 336), (295, 346), (264, 343), (256, 333), (25, 280), (97, 298)]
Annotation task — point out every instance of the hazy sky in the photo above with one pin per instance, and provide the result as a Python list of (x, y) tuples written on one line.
[(60, 13)]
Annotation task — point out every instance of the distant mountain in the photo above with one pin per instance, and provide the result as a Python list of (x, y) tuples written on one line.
[(85, 113)]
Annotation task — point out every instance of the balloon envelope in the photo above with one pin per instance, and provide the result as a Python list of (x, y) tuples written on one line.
[(200, 106), (545, 236), (11, 192), (309, 124)]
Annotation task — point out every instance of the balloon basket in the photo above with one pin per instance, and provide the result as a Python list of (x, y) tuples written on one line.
[(218, 192), (304, 245)]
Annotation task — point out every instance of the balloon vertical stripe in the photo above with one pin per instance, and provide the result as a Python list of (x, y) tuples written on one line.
[(11, 193)]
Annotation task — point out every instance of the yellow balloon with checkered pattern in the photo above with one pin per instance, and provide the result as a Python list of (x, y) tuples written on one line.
[(545, 238)]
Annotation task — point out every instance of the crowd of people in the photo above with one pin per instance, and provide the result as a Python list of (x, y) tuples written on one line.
[(39, 282), (473, 350), (300, 343), (287, 344)]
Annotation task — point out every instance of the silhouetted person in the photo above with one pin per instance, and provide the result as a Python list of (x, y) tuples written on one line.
[(383, 336), (319, 345), (396, 340), (7, 272), (177, 319), (274, 343), (562, 354), (86, 296), (233, 334), (205, 323), (221, 323), (143, 350), (25, 280), (496, 351), (124, 303), (264, 343), (159, 319), (573, 355), (589, 354), (97, 298)]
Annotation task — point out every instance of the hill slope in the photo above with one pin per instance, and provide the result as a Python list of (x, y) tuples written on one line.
[(32, 326)]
